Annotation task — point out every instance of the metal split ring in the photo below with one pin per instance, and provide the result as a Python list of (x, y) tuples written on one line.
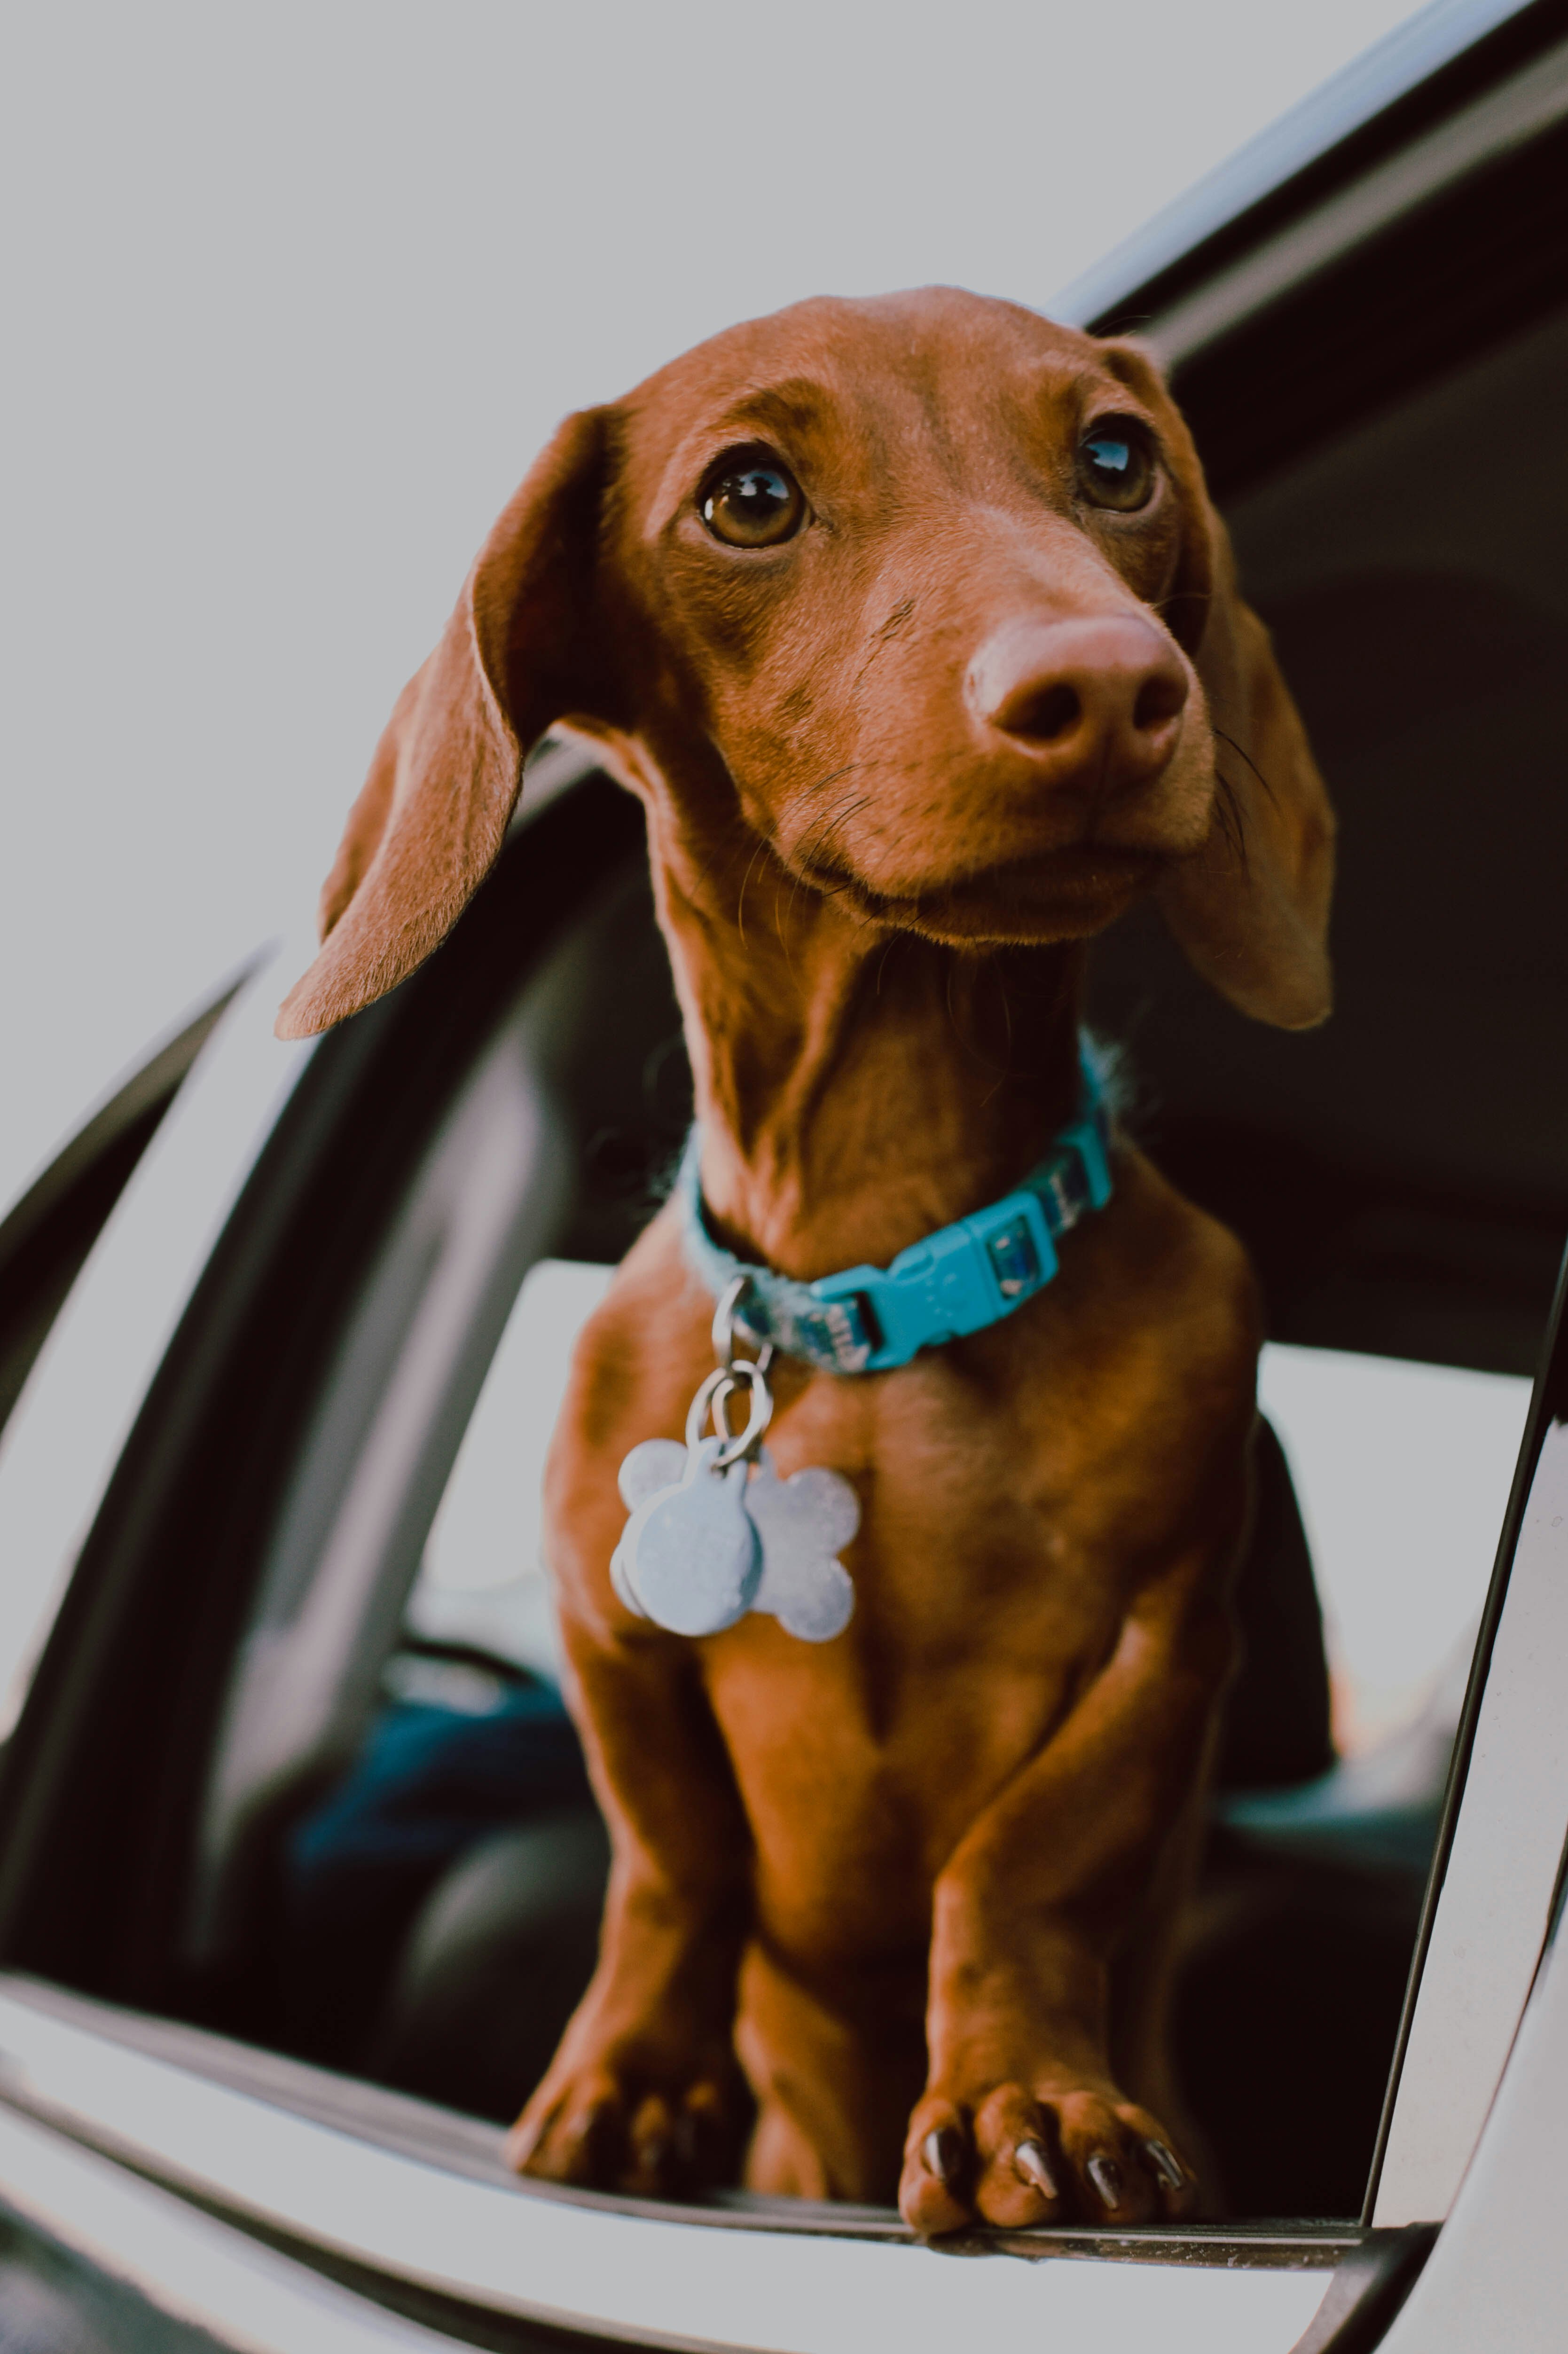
[(728, 1321), (713, 1398)]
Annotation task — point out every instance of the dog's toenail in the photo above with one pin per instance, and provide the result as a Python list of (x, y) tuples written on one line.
[(943, 2151), (1106, 2176), (1031, 2160), (1167, 2165)]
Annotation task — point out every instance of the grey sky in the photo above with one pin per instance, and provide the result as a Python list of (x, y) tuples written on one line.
[(296, 292)]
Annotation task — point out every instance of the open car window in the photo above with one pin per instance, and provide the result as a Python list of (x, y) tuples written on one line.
[(299, 1864)]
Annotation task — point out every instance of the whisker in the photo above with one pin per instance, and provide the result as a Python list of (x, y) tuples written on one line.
[(1232, 821), (810, 849), (1246, 755), (812, 841), (740, 903)]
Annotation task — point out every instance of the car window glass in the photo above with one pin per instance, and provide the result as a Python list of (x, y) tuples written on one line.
[(483, 1578), (1403, 1472)]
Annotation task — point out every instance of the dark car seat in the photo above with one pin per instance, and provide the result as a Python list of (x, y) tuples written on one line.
[(1276, 1720), (494, 1964)]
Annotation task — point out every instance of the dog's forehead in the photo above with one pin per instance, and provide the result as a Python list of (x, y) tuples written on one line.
[(939, 356)]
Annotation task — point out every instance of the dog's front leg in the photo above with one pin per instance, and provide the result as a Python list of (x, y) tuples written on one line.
[(644, 2094), (1022, 2120)]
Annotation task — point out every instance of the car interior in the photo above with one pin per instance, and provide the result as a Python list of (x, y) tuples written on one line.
[(348, 1819)]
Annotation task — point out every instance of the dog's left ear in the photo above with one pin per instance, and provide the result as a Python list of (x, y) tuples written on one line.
[(518, 655), (1250, 909)]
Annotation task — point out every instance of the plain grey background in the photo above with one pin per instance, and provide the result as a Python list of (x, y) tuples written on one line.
[(294, 294)]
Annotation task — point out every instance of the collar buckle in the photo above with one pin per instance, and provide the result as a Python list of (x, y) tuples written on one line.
[(957, 1281)]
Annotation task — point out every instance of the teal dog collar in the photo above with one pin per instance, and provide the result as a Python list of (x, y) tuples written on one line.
[(958, 1280)]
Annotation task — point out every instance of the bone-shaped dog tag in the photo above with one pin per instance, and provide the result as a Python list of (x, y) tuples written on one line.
[(804, 1523), (689, 1557)]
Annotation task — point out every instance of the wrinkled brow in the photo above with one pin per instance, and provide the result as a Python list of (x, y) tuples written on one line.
[(794, 411), (1076, 386), (799, 405)]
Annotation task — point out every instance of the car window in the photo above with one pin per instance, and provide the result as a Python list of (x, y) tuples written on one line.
[(1403, 1470), (1407, 1261), (317, 1788), (393, 1830), (484, 1577)]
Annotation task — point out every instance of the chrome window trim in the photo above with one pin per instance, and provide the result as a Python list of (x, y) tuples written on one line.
[(1303, 136), (204, 2273), (583, 2264), (465, 2145), (1494, 1909), (1498, 2272), (1508, 118)]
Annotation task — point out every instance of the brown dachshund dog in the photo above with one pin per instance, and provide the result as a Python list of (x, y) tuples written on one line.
[(911, 626)]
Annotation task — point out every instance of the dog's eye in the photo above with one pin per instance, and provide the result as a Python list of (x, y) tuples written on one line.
[(1114, 465), (752, 500)]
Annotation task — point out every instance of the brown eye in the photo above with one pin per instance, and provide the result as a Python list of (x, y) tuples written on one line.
[(752, 501), (1115, 467)]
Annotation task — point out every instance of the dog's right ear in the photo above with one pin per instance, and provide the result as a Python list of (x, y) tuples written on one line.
[(1250, 909), (518, 655)]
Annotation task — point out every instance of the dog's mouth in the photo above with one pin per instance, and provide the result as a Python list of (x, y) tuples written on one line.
[(1063, 893)]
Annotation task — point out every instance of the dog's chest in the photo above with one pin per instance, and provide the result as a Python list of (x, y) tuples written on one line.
[(1004, 1528), (982, 1609), (862, 1762)]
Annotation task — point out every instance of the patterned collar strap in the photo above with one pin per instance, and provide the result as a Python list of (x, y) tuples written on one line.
[(958, 1280)]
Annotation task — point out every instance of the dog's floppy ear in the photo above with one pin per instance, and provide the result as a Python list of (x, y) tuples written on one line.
[(517, 655), (1250, 910)]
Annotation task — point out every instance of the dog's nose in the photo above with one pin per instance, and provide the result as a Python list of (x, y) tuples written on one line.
[(1099, 698)]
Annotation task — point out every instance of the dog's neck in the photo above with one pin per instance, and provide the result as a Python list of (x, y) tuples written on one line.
[(857, 1088)]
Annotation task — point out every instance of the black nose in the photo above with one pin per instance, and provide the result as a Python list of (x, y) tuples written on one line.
[(1098, 700)]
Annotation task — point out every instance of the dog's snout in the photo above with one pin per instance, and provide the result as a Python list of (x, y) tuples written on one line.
[(1100, 697)]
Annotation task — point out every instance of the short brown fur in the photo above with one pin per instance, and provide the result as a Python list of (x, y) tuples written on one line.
[(922, 1878)]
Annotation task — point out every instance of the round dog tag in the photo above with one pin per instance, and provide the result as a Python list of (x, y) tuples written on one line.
[(656, 1463), (690, 1557)]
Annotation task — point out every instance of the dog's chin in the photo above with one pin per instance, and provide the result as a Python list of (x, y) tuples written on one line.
[(1061, 895)]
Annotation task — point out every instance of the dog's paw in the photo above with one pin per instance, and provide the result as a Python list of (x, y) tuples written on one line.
[(604, 2130), (1019, 2155)]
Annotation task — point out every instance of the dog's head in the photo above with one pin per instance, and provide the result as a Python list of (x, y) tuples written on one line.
[(926, 595)]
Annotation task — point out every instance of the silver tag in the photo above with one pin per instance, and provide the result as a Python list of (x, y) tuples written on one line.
[(804, 1523), (689, 1557), (705, 1545)]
